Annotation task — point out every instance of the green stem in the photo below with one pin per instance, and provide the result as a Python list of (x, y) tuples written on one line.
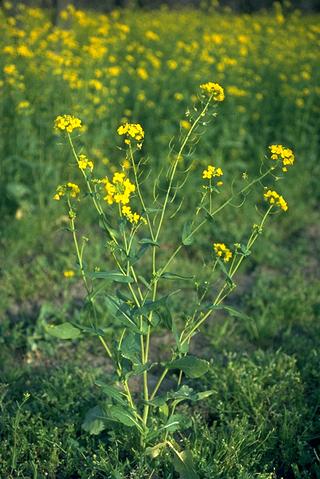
[(79, 257)]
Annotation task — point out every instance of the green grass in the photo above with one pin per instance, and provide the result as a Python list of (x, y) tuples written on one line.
[(261, 419)]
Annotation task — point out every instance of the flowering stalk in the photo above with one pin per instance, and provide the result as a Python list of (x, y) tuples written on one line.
[(141, 312)]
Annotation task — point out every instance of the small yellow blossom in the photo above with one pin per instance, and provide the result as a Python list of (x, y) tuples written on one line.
[(23, 105), (142, 73), (152, 36), (68, 274), (279, 152), (178, 96), (275, 199), (211, 172), (67, 122), (126, 164), (133, 130), (69, 188), (185, 124), (10, 70), (84, 163), (213, 89), (134, 218), (222, 251)]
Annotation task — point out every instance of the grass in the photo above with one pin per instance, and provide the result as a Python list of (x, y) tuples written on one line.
[(262, 420)]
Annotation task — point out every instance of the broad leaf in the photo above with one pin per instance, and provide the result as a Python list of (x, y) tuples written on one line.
[(131, 348), (177, 421), (120, 414), (63, 331), (183, 464), (193, 367), (155, 450), (149, 241), (187, 238), (121, 311), (94, 421), (112, 392), (187, 393), (111, 276), (139, 369)]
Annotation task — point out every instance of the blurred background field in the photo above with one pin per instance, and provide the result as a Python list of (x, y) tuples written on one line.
[(145, 65)]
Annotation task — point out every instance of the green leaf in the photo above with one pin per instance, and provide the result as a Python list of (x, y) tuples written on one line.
[(175, 422), (138, 369), (145, 282), (121, 311), (149, 241), (149, 306), (184, 466), (93, 330), (63, 331), (203, 395), (155, 450), (111, 276), (112, 392), (120, 414), (232, 311), (131, 348), (193, 367), (235, 313), (187, 393), (229, 280), (175, 276), (94, 421), (186, 232), (244, 250)]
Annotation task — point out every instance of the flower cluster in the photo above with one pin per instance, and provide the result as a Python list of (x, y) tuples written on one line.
[(275, 199), (212, 172), (130, 216), (84, 163), (69, 188), (279, 152), (67, 122), (222, 251), (119, 189), (213, 89), (131, 130)]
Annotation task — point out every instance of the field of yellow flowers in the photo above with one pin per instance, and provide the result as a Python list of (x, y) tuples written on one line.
[(144, 68)]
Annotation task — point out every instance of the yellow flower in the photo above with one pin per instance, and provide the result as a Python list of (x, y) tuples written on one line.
[(133, 130), (211, 172), (84, 163), (67, 122), (133, 218), (279, 152), (69, 188), (68, 274), (275, 199), (185, 124), (152, 36), (22, 105), (222, 251), (213, 89), (142, 73), (10, 70), (119, 190)]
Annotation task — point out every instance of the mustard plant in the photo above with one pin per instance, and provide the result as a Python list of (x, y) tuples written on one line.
[(138, 290)]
